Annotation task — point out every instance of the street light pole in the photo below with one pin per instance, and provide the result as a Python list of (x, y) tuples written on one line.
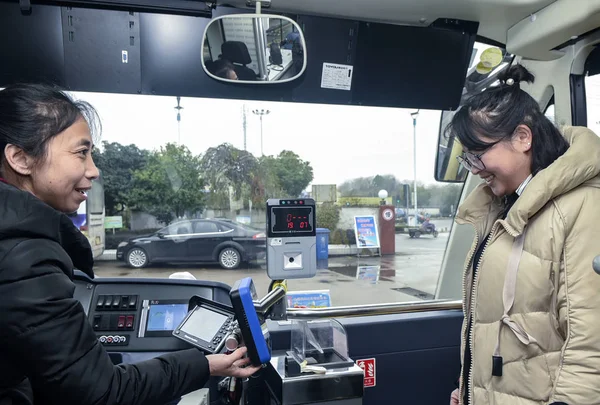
[(244, 124), (414, 116), (179, 108), (260, 114)]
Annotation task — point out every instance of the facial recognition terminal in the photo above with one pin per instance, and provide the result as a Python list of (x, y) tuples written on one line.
[(291, 238)]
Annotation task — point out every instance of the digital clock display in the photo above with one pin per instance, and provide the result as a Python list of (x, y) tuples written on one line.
[(292, 219)]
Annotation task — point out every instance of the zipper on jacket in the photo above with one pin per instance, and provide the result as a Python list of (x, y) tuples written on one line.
[(472, 309), (466, 308), (461, 381)]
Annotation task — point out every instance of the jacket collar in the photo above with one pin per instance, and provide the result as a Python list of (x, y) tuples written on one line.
[(580, 164), (25, 216), (524, 184)]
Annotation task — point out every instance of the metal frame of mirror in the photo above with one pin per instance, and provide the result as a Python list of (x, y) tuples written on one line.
[(247, 36)]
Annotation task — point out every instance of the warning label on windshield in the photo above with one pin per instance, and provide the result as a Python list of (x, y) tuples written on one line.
[(338, 77)]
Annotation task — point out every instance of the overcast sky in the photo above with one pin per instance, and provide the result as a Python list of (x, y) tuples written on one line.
[(340, 142)]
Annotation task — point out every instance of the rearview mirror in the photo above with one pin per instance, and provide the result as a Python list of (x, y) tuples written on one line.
[(447, 167), (253, 48)]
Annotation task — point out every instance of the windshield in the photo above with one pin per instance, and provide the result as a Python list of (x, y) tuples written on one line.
[(225, 158)]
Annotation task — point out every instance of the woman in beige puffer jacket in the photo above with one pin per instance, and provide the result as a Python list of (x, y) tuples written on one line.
[(531, 333)]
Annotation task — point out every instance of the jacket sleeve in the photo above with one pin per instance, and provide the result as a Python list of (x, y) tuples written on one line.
[(576, 381), (46, 336)]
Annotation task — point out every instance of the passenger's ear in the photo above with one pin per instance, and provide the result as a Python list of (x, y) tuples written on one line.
[(18, 160), (523, 138)]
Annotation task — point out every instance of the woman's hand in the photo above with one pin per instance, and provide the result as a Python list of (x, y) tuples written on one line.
[(454, 397), (231, 365)]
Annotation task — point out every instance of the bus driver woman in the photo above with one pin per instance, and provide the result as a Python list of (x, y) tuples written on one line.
[(48, 350)]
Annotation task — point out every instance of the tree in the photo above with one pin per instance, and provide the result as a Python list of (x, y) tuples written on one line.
[(292, 173), (265, 183), (449, 198), (370, 186), (283, 176), (170, 184), (117, 163), (226, 166), (359, 187), (442, 196)]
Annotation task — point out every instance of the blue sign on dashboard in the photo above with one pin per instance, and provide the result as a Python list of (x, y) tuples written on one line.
[(308, 299)]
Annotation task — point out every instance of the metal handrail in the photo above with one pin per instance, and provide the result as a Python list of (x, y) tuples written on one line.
[(263, 305), (374, 309)]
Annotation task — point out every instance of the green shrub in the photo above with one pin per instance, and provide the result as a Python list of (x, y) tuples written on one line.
[(328, 216), (336, 237), (342, 237)]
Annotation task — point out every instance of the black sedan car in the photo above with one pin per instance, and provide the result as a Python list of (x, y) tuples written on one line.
[(222, 241)]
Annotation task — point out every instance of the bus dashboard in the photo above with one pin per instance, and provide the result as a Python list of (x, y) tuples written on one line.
[(139, 315)]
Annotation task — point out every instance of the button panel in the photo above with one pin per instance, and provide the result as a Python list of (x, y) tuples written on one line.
[(221, 335), (102, 322), (114, 340), (116, 302), (114, 313)]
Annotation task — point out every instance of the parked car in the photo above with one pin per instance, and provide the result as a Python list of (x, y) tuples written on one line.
[(222, 241)]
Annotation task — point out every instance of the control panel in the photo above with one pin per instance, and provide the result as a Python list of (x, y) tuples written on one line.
[(115, 312), (141, 315), (115, 315)]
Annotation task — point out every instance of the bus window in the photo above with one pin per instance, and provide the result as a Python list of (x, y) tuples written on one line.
[(591, 92), (592, 95), (550, 112)]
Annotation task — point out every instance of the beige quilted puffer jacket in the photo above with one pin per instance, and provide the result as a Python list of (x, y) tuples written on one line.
[(535, 299)]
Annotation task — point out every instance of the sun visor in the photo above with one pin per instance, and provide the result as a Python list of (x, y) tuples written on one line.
[(349, 62)]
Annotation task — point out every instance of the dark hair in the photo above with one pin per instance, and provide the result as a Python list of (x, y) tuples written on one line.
[(496, 112), (221, 68), (32, 114)]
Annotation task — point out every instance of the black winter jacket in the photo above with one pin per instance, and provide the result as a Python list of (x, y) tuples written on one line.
[(49, 353)]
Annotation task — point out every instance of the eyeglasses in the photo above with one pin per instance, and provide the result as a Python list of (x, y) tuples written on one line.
[(472, 161)]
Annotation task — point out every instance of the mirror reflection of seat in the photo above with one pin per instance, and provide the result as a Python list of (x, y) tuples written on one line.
[(237, 53)]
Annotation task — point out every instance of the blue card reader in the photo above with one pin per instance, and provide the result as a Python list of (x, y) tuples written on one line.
[(255, 334)]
